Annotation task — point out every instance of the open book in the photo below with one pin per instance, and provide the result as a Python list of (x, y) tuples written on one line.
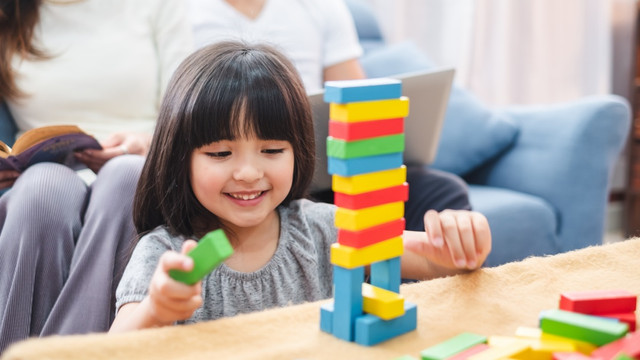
[(54, 143)]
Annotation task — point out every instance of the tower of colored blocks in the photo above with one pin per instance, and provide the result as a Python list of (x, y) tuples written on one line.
[(365, 158)]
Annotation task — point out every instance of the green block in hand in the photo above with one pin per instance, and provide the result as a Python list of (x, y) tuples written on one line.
[(212, 249)]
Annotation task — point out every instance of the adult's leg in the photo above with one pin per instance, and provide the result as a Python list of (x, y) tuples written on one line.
[(86, 302), (432, 189), (40, 220)]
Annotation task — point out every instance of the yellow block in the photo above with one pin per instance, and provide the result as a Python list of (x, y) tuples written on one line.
[(358, 184), (382, 303), (349, 257), (370, 110), (536, 333), (499, 352), (355, 220), (540, 349)]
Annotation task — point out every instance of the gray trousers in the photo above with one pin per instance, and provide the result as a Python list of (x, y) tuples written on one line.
[(63, 248)]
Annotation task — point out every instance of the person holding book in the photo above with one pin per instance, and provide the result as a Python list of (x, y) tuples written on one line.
[(319, 36), (102, 66), (234, 150)]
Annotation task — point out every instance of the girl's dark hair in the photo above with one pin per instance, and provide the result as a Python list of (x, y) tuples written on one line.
[(224, 91), (18, 19)]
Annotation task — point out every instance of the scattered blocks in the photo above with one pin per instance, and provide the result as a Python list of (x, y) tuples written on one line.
[(599, 302), (212, 249)]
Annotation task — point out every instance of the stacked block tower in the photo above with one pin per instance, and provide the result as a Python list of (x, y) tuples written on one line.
[(365, 158)]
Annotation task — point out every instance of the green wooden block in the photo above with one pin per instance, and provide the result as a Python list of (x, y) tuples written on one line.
[(592, 329), (623, 356), (452, 346), (405, 357), (212, 249), (342, 149)]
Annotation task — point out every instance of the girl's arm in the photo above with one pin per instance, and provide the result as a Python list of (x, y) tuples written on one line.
[(454, 241), (168, 300)]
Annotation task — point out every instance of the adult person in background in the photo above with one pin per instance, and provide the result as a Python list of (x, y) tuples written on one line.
[(101, 65), (319, 37)]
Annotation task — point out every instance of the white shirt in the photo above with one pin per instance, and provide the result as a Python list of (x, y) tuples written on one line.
[(314, 34), (110, 62)]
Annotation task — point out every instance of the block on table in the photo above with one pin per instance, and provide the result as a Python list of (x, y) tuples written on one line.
[(452, 346), (582, 327), (371, 330), (347, 300), (598, 301)]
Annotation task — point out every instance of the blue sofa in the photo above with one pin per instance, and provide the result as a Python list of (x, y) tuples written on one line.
[(540, 174)]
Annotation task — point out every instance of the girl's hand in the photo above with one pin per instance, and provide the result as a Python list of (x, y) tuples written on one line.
[(170, 300), (7, 178), (117, 144), (456, 239)]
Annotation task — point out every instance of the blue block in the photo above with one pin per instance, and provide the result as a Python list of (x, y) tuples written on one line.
[(347, 300), (386, 274), (326, 318), (371, 330), (363, 165), (346, 91)]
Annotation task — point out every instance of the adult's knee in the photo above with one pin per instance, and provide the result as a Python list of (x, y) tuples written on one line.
[(121, 172)]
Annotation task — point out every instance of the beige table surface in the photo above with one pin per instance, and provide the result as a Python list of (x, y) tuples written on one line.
[(492, 301)]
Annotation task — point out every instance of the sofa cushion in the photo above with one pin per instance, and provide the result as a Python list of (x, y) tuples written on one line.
[(472, 134)]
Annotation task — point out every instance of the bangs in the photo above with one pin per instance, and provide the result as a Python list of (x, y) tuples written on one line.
[(241, 104)]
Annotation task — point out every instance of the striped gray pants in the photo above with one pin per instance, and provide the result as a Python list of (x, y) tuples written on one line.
[(63, 247)]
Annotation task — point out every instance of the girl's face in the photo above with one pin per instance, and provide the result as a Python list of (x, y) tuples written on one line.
[(244, 180)]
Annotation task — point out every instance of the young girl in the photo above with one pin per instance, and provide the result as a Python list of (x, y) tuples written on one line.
[(233, 149)]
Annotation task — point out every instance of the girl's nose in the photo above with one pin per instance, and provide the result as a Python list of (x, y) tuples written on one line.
[(248, 171)]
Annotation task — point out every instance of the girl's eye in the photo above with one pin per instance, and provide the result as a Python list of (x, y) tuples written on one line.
[(273, 151), (219, 154)]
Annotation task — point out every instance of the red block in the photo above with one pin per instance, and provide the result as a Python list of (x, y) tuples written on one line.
[(571, 356), (610, 350), (365, 129), (372, 198), (632, 345), (372, 235), (599, 302), (470, 351), (629, 318)]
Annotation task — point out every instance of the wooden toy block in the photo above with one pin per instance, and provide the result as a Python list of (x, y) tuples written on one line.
[(452, 346), (347, 300), (355, 220), (582, 327), (632, 345), (348, 257), (465, 354), (358, 184), (528, 332), (345, 91), (513, 350), (365, 129), (580, 346), (364, 165), (212, 249), (372, 198), (570, 356), (382, 303), (370, 110), (539, 348), (385, 274), (405, 357), (372, 235), (610, 350), (622, 356), (343, 149), (326, 317), (371, 330), (627, 318), (598, 301)]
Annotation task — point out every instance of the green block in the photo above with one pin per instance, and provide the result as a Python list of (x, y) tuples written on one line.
[(622, 356), (452, 346), (212, 250), (342, 149), (591, 329), (405, 357)]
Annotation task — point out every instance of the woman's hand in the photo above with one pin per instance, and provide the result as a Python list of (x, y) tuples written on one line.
[(455, 239), (7, 178), (170, 300), (117, 144)]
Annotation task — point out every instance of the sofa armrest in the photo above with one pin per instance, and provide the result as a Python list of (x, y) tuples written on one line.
[(565, 154), (8, 128)]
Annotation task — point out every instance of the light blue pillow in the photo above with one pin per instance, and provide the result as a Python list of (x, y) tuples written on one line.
[(472, 134)]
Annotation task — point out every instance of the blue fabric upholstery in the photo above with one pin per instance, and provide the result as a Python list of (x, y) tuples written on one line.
[(544, 189)]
